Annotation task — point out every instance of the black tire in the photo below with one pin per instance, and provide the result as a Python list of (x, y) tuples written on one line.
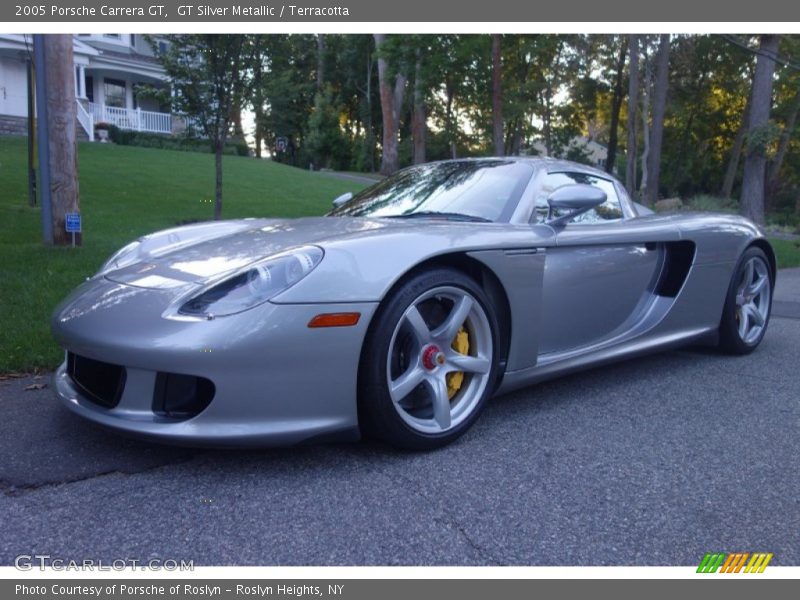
[(731, 339), (394, 345)]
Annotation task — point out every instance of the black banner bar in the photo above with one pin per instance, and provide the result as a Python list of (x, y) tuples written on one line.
[(360, 11), (392, 589)]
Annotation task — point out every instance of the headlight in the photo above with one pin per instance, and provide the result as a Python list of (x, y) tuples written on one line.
[(255, 285), (127, 255)]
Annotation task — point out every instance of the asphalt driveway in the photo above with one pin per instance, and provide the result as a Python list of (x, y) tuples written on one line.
[(655, 461)]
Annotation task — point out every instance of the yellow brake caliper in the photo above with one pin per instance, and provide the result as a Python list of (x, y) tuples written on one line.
[(456, 379)]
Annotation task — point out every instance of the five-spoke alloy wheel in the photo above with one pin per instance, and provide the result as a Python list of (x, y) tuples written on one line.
[(748, 305), (430, 361)]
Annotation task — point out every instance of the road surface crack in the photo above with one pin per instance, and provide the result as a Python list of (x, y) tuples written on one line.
[(11, 490), (446, 520)]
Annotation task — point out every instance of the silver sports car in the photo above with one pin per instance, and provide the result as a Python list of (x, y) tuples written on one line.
[(404, 310)]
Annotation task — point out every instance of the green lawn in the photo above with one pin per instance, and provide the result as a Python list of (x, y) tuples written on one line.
[(787, 252), (125, 192)]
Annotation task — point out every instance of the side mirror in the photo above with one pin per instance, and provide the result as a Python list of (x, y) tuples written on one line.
[(576, 199), (339, 200)]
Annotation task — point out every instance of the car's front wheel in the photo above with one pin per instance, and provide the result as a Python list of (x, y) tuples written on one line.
[(748, 305), (429, 362)]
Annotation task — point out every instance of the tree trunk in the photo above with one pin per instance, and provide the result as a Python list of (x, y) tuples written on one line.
[(258, 98), (320, 61), (397, 97), (755, 162), (218, 147), (547, 116), (514, 142), (369, 134), (419, 115), (546, 129), (659, 107), (448, 117), (736, 154), (236, 117), (258, 133), (633, 99), (497, 96), (648, 77), (61, 116), (783, 145), (391, 97), (616, 106)]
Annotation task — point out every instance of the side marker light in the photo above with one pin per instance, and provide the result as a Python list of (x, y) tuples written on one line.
[(335, 320)]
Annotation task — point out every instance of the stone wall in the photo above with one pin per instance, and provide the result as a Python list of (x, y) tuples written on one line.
[(13, 125), (19, 126)]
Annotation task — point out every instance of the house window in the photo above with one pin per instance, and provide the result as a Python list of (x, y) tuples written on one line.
[(114, 92), (90, 88), (133, 40)]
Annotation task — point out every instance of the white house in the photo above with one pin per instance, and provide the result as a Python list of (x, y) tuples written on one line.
[(110, 70)]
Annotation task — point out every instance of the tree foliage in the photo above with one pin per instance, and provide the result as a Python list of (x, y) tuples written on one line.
[(684, 133)]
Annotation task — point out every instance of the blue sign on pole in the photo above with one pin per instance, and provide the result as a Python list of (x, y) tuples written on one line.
[(73, 222)]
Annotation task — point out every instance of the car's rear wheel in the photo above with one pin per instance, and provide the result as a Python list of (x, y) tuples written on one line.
[(429, 362), (748, 304)]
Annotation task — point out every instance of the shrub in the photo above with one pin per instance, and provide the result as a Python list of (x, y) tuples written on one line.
[(327, 145), (183, 143), (705, 202)]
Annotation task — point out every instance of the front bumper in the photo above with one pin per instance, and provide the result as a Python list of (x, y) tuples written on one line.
[(277, 381)]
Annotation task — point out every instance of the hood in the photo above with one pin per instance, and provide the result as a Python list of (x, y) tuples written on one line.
[(203, 253)]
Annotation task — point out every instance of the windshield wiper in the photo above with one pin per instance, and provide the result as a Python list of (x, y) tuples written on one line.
[(435, 214)]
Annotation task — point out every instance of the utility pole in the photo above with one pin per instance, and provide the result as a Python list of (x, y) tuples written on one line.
[(31, 134), (58, 159), (43, 141)]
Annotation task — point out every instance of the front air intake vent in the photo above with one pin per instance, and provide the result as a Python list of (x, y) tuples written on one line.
[(99, 382), (181, 396)]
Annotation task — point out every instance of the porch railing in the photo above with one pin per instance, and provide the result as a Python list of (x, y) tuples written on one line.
[(86, 120), (132, 118)]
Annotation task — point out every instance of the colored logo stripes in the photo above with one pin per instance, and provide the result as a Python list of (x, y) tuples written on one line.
[(734, 562)]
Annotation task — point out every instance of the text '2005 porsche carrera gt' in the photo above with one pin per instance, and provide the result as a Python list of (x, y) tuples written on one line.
[(404, 310)]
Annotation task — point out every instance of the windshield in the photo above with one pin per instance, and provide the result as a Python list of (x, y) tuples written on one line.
[(480, 190)]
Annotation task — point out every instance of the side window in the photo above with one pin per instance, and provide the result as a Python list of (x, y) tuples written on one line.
[(610, 210)]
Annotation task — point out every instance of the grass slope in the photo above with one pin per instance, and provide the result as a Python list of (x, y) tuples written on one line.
[(125, 192), (787, 252)]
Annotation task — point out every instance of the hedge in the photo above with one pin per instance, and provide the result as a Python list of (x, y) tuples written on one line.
[(126, 137)]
